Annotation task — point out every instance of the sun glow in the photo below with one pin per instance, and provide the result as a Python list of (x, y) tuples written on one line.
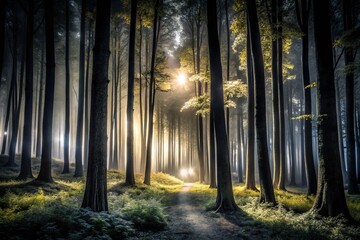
[(181, 78)]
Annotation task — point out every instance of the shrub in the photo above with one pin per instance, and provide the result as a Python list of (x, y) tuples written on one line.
[(145, 214)]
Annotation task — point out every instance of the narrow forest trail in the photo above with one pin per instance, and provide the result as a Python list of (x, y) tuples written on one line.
[(189, 221)]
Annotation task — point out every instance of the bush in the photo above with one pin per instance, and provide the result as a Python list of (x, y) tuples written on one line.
[(145, 214), (58, 221)]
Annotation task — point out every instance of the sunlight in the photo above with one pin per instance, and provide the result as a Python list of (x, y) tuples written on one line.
[(181, 78), (183, 172)]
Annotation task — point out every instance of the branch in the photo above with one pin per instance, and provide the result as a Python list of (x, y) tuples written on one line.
[(338, 59)]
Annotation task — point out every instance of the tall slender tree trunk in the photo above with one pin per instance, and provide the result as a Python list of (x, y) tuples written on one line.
[(250, 150), (350, 103), (79, 172), (45, 169), (275, 95), (282, 160), (225, 199), (67, 89), (87, 83), (239, 141), (25, 170), (302, 10), (130, 177), (330, 182), (152, 95), (95, 196), (40, 104), (266, 186), (212, 152), (17, 99)]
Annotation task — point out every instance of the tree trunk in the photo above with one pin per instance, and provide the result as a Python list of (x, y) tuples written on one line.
[(350, 103), (80, 120), (45, 169), (282, 160), (239, 141), (152, 96), (250, 150), (212, 152), (330, 197), (275, 95), (266, 186), (225, 199), (67, 90), (130, 177), (87, 82), (16, 101), (302, 10), (25, 170), (40, 104), (95, 196)]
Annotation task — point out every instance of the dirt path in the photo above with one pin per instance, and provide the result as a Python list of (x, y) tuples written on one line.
[(188, 221)]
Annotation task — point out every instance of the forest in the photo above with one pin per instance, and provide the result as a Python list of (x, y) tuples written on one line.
[(188, 119)]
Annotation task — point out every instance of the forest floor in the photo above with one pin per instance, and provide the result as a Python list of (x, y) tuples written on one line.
[(187, 220), (168, 209)]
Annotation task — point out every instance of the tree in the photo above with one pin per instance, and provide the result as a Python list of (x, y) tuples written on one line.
[(95, 196), (25, 170), (266, 186), (67, 89), (350, 101), (130, 177), (302, 13), (80, 122), (250, 151), (225, 199), (45, 168), (330, 196), (152, 89), (2, 34)]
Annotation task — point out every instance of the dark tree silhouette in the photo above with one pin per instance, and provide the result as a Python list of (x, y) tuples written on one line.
[(67, 89), (330, 196), (302, 13), (225, 199), (130, 177), (350, 102), (250, 151), (80, 121), (45, 169), (95, 196), (152, 94), (25, 170), (266, 186)]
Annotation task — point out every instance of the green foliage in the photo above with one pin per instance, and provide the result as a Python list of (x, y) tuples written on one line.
[(201, 104), (304, 117), (350, 39), (311, 85), (57, 221), (145, 214), (232, 89)]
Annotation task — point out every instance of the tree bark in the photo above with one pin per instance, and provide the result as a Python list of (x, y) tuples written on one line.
[(67, 89), (25, 170), (45, 169), (302, 9), (225, 199), (79, 172), (95, 196), (250, 149), (330, 197), (266, 186), (130, 177), (152, 96), (350, 103)]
